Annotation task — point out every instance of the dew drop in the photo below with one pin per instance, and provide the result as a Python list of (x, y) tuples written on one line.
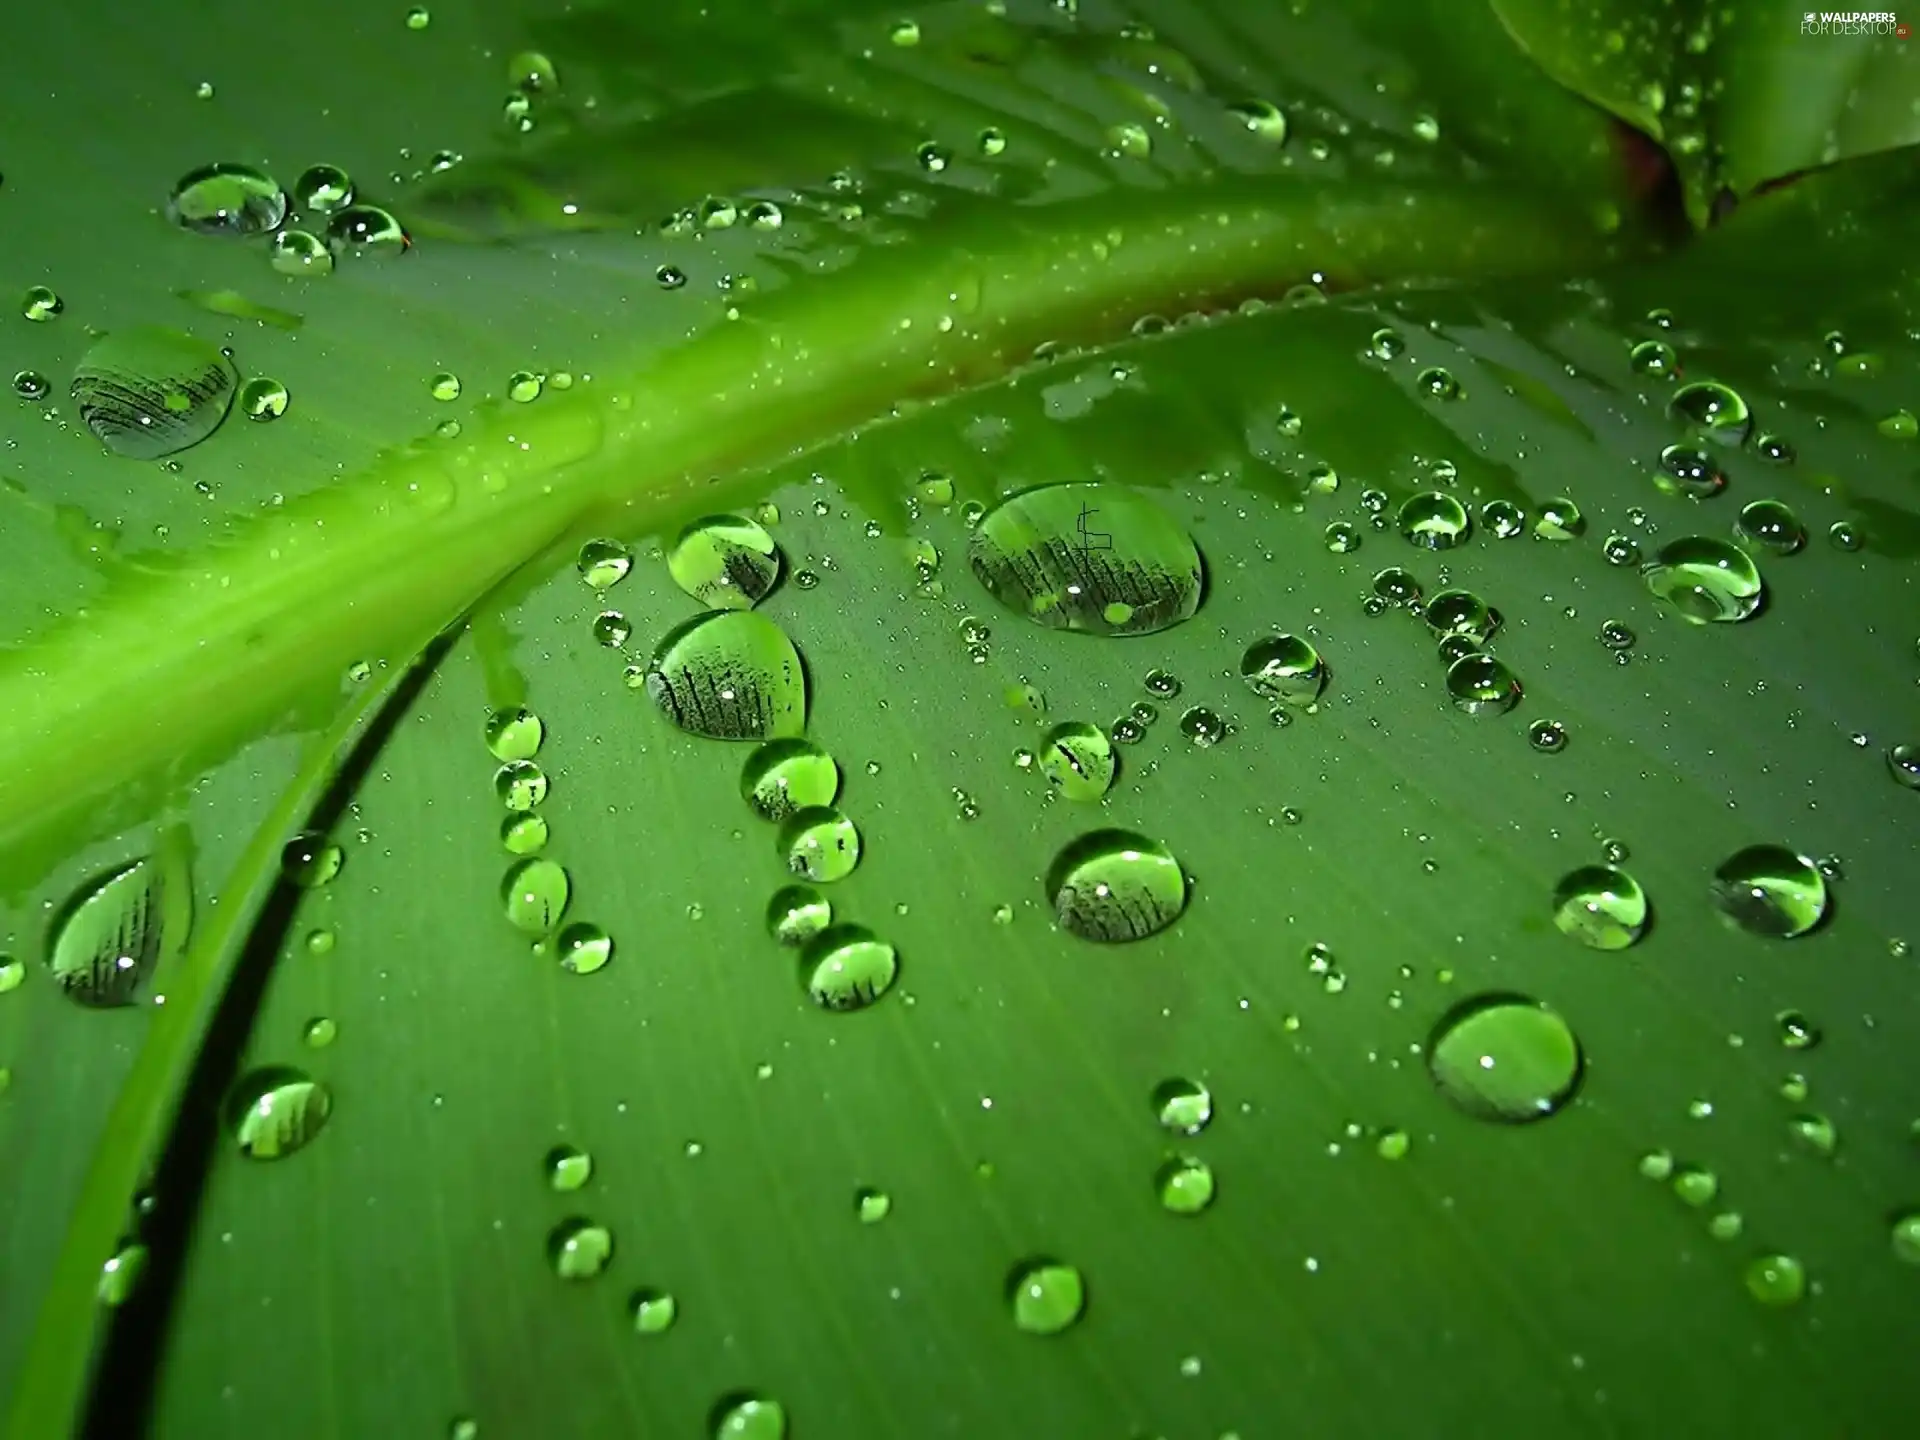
[(567, 1167), (1088, 557), (227, 199), (276, 1110), (535, 894), (847, 967), (1285, 669), (729, 675), (1046, 1296), (797, 913), (1185, 1185), (1771, 891), (1078, 761), (111, 936), (1777, 1280), (741, 1416), (785, 776), (726, 562), (366, 231), (1704, 580), (1601, 907), (310, 860), (514, 733), (1481, 685), (1504, 1057), (323, 189), (299, 254), (583, 948), (1715, 409), (579, 1249), (652, 1311), (1434, 521), (1116, 885)]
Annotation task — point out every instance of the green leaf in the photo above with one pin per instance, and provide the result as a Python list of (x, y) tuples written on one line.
[(1739, 95), (1168, 1020)]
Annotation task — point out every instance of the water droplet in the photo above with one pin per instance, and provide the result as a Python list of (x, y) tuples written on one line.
[(1184, 1185), (784, 776), (148, 392), (1202, 726), (1843, 535), (1396, 586), (1705, 580), (1689, 470), (933, 158), (532, 73), (263, 398), (1088, 557), (653, 1311), (276, 1110), (579, 1249), (1438, 383), (819, 843), (1505, 1057), (1775, 450), (1286, 669), (670, 277), (726, 562), (748, 1417), (1655, 358), (1386, 344), (112, 935), (1263, 118), (1906, 1237), (535, 894), (610, 628), (1163, 684), (1503, 519), (1341, 538), (300, 254), (41, 304), (309, 860), (1769, 890), (1434, 521), (1695, 1185), (514, 734), (320, 942), (1116, 885), (366, 230), (1482, 685), (1601, 907), (323, 189), (1462, 613), (1796, 1031), (227, 199), (797, 913), (1559, 519), (567, 1167), (583, 948), (320, 1032), (31, 385), (847, 967), (1549, 737), (419, 18), (1903, 763), (1816, 1133), (1776, 1280), (730, 675), (1772, 525), (871, 1206), (1900, 425), (1046, 1295), (1716, 409), (12, 972), (1078, 760)]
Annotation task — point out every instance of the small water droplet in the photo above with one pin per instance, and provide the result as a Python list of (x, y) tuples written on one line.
[(578, 1248), (535, 894), (227, 199), (309, 860), (567, 1167), (275, 1110), (1776, 1279), (1600, 907), (1184, 1184), (1771, 891), (1046, 1296), (847, 967)]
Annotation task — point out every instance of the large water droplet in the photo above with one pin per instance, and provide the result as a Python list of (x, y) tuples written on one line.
[(1505, 1057), (514, 734), (1088, 557), (1115, 885), (820, 844), (1434, 521), (726, 562), (1285, 669), (1769, 890), (535, 894), (1182, 1106), (1772, 525), (1689, 470), (748, 1417), (784, 776), (1716, 409), (1046, 1296), (1078, 760), (226, 199), (276, 1110), (1776, 1280), (604, 562), (1184, 1184), (147, 391), (797, 913), (578, 1248), (1705, 580), (847, 967), (111, 936), (730, 675), (1481, 685), (1601, 907)]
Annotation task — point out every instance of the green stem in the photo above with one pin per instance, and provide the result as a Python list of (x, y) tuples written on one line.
[(50, 1396), (167, 673)]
